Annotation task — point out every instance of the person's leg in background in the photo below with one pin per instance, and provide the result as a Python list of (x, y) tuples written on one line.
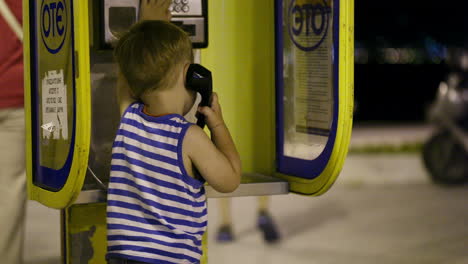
[(264, 222), (12, 185), (225, 229)]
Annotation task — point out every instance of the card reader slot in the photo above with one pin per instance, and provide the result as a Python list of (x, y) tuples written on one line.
[(189, 28)]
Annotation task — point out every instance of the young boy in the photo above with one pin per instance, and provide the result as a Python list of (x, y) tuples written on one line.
[(156, 209)]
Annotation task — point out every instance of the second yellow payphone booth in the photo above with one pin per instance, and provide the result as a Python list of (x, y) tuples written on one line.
[(283, 69)]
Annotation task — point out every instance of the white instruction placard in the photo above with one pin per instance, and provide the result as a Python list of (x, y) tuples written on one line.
[(308, 76), (54, 105)]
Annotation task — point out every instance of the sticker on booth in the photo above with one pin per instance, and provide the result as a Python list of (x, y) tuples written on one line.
[(54, 106)]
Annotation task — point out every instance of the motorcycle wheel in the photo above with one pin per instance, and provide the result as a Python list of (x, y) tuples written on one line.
[(445, 159)]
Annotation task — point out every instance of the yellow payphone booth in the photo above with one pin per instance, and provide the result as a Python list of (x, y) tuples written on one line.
[(283, 69), (314, 100), (57, 99)]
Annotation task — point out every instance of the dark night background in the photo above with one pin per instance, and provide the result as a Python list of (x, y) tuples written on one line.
[(396, 91)]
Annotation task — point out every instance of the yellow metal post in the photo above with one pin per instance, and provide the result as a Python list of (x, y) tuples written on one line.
[(241, 56)]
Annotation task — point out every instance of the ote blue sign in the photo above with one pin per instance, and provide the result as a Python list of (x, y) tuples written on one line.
[(54, 21), (308, 23)]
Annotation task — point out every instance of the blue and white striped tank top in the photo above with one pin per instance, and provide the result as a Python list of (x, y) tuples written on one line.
[(156, 213)]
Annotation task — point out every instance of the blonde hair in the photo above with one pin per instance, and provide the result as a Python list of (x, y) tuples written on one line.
[(148, 54)]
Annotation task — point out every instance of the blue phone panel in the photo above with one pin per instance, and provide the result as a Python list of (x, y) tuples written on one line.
[(302, 30), (52, 41)]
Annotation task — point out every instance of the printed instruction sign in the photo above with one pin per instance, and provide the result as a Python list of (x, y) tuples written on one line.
[(54, 106), (308, 76)]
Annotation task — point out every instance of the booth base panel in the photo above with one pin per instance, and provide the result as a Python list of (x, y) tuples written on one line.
[(84, 223), (84, 234)]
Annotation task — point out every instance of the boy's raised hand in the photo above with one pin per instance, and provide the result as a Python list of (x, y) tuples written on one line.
[(213, 115), (216, 159), (155, 10)]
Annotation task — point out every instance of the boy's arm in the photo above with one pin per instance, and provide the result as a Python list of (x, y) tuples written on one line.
[(217, 159)]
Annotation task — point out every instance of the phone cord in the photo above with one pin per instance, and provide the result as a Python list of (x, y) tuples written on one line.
[(101, 184)]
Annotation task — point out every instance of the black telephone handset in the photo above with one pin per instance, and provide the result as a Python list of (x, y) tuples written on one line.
[(199, 79)]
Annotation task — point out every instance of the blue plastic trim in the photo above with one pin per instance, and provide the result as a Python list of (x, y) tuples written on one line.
[(307, 169), (47, 178), (33, 83)]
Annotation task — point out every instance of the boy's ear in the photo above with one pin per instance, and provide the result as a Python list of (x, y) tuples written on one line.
[(186, 67)]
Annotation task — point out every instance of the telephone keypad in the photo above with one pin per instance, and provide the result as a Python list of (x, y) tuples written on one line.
[(179, 6), (192, 17)]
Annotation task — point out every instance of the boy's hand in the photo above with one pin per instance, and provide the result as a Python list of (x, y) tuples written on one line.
[(213, 114), (216, 158), (155, 10)]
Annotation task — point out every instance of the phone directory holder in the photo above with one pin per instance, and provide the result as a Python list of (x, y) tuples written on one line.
[(314, 81)]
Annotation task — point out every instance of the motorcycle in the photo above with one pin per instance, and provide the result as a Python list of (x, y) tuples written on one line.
[(445, 154)]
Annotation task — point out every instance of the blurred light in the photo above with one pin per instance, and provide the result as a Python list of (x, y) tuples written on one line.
[(361, 55), (435, 51), (464, 95), (392, 56), (401, 56), (464, 62), (405, 56), (443, 88), (453, 95), (412, 55), (436, 60)]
